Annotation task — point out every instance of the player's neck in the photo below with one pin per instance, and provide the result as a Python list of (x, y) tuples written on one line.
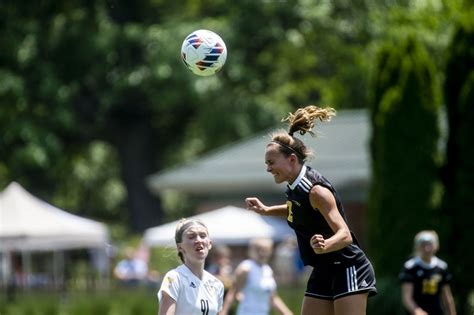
[(426, 259), (196, 268), (296, 173)]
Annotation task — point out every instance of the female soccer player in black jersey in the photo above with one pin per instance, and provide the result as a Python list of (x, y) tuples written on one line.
[(425, 279), (342, 276)]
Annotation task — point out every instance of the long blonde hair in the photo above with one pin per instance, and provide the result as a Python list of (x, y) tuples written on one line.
[(302, 121)]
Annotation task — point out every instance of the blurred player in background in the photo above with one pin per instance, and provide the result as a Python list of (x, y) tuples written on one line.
[(425, 279), (342, 276), (132, 270), (254, 287), (189, 289), (221, 267)]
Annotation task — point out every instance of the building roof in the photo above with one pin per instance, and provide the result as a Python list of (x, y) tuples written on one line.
[(340, 149)]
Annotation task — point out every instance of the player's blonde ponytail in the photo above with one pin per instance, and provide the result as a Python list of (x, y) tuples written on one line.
[(303, 121)]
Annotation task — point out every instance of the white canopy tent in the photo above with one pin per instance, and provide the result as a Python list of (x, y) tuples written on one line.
[(28, 224), (228, 225)]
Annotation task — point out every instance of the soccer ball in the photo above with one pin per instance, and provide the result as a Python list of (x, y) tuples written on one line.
[(203, 52)]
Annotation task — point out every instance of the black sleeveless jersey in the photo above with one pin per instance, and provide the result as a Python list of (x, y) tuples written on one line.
[(427, 280), (307, 221)]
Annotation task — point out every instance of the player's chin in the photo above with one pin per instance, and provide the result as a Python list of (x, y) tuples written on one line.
[(278, 179), (202, 254)]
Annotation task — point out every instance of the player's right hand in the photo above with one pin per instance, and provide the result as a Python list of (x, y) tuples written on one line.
[(255, 204)]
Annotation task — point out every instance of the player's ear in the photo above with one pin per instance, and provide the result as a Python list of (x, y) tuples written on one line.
[(293, 157), (210, 245)]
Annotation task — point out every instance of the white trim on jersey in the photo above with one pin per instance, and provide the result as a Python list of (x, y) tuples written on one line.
[(298, 179), (305, 184)]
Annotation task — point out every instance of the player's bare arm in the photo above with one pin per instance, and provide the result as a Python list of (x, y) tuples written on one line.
[(279, 305), (447, 299), (322, 199), (254, 204), (408, 302), (167, 305), (241, 274)]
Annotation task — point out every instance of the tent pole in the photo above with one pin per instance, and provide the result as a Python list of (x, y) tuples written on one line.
[(26, 275), (58, 269), (5, 267)]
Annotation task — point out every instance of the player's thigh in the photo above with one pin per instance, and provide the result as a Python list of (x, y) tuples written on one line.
[(314, 306), (355, 304)]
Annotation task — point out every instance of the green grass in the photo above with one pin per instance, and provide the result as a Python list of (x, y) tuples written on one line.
[(144, 301), (115, 302), (292, 296)]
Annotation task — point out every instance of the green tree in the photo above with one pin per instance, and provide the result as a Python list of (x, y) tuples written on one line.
[(405, 153), (96, 97), (84, 78), (459, 185), (75, 75)]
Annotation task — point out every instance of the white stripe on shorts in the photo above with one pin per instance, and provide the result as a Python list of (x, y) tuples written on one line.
[(351, 275)]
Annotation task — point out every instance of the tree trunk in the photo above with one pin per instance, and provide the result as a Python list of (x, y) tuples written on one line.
[(134, 142)]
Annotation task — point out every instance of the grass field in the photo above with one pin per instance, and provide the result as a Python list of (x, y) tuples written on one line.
[(144, 302), (116, 302)]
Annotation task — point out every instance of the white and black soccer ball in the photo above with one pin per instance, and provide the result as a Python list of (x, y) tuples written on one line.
[(204, 52)]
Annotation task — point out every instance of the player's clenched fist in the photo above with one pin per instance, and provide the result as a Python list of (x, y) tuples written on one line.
[(318, 244), (255, 204)]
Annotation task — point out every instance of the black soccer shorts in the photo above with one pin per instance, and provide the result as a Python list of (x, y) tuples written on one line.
[(337, 281)]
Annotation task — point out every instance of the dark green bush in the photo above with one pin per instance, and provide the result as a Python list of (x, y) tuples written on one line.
[(388, 299)]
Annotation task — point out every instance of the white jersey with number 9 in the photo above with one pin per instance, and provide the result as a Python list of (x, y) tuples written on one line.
[(193, 296)]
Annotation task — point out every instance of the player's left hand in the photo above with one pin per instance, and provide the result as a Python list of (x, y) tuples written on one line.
[(318, 243)]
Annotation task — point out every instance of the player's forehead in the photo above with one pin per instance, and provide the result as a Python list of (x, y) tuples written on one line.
[(272, 152), (195, 229)]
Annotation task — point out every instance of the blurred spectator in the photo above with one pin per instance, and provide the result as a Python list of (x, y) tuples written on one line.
[(425, 279), (221, 267), (131, 270)]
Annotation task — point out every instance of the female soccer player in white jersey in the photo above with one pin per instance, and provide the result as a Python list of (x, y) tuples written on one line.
[(189, 289), (254, 286), (342, 276)]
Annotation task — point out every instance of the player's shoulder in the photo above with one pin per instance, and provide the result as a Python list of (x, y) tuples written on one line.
[(243, 269), (171, 275), (178, 272), (441, 263), (172, 278), (245, 265), (213, 280), (315, 177), (411, 263), (267, 270)]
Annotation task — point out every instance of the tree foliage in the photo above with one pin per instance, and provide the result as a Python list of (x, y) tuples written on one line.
[(457, 172), (95, 97), (405, 153)]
